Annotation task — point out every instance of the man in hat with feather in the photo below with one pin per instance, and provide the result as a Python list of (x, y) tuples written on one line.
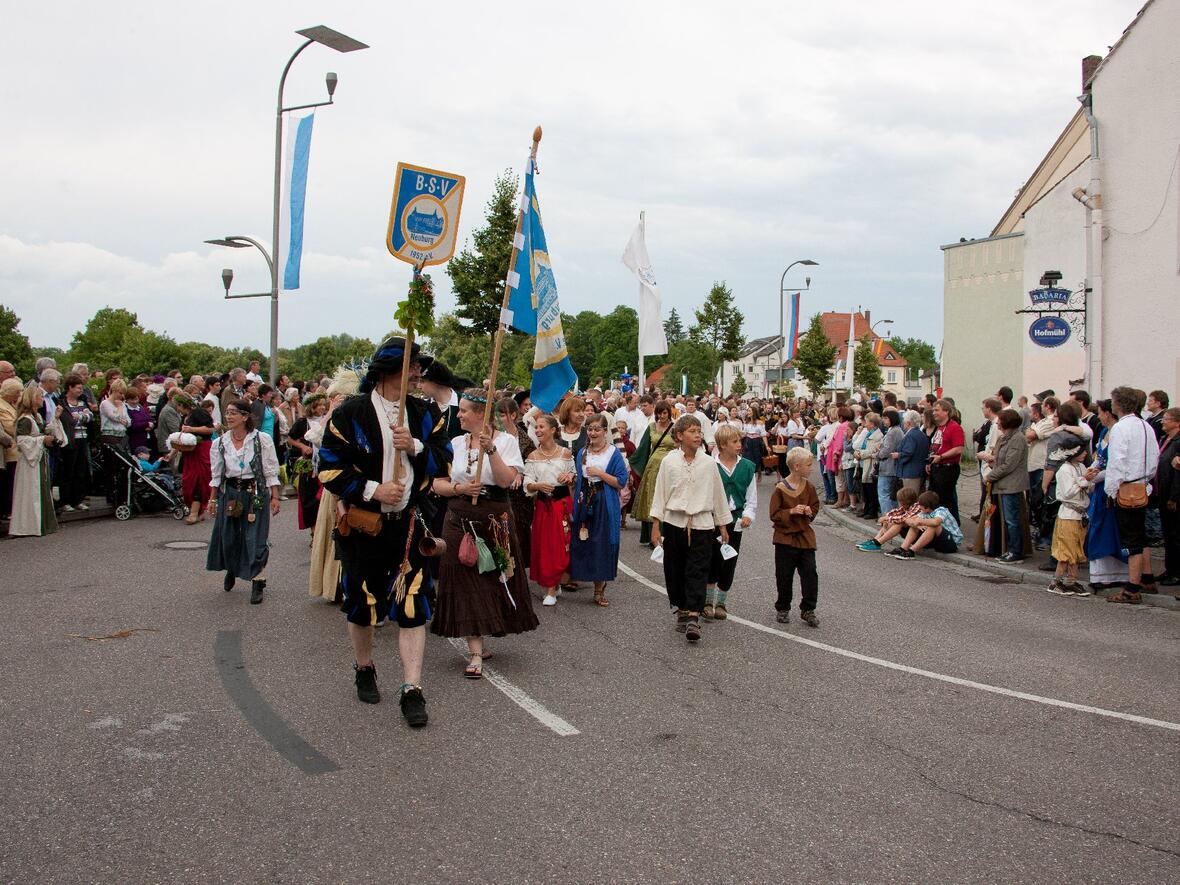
[(381, 567)]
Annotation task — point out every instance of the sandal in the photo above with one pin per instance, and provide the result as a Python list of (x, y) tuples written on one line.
[(600, 598), (1124, 597), (473, 670)]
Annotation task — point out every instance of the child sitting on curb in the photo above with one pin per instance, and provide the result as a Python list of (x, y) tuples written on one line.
[(1069, 529), (893, 523), (934, 527)]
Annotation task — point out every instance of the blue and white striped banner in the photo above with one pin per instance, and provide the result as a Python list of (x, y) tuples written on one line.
[(298, 153)]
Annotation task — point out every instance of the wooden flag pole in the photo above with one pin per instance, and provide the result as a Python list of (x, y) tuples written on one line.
[(489, 391), (401, 401)]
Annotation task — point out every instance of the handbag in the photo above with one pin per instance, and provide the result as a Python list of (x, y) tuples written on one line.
[(1133, 495), (365, 521), (468, 553)]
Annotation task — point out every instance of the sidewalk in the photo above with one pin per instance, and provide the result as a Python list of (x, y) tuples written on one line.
[(1027, 572)]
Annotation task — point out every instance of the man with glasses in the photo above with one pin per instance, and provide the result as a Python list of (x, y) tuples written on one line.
[(382, 570)]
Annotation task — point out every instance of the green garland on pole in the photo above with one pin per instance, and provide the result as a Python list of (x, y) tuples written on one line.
[(416, 313)]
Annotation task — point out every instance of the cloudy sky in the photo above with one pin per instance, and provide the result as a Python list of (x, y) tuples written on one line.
[(755, 133)]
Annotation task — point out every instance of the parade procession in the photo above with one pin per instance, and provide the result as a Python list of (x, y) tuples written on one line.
[(604, 453)]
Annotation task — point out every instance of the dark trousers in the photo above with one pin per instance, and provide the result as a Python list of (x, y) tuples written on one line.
[(73, 478), (1170, 522), (1036, 500), (944, 480), (868, 491), (7, 479), (787, 561), (721, 569), (686, 565)]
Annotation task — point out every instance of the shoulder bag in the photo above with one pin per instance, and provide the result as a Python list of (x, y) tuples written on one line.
[(1133, 495)]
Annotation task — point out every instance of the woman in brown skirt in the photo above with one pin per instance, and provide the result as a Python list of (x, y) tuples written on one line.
[(495, 601)]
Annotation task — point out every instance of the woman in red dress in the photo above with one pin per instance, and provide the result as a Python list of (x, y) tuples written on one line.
[(548, 473), (195, 470)]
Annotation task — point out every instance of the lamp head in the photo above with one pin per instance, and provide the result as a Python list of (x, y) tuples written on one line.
[(227, 278), (807, 280), (809, 262), (330, 80)]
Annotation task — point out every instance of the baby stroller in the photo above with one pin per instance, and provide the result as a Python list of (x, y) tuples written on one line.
[(137, 490)]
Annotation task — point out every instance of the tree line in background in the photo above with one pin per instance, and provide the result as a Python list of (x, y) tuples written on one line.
[(114, 338)]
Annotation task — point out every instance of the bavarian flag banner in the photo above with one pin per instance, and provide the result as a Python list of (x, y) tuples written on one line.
[(532, 299)]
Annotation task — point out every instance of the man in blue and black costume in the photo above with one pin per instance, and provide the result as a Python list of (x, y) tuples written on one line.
[(381, 567)]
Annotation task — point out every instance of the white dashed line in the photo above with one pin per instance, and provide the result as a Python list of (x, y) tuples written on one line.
[(519, 697), (929, 674)]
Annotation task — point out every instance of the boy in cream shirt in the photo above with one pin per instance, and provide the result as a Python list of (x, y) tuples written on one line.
[(688, 510)]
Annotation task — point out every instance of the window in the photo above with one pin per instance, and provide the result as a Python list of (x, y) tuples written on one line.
[(889, 355), (891, 376)]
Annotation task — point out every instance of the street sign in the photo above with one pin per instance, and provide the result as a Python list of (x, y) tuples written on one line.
[(1049, 295), (424, 215), (1049, 331)]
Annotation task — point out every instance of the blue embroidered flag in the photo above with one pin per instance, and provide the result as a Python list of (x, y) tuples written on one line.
[(533, 301)]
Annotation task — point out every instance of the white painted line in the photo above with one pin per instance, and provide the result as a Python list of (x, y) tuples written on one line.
[(519, 697), (929, 674)]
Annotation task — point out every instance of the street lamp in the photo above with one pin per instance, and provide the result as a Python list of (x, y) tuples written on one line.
[(227, 275), (782, 334), (878, 323), (341, 43)]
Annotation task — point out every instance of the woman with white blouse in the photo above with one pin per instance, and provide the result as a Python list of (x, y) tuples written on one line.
[(244, 492), (548, 474), (481, 592)]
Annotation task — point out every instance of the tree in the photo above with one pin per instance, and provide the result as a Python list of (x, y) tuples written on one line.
[(470, 356), (673, 328), (14, 345), (814, 356), (739, 385), (695, 359), (919, 355), (100, 344), (719, 324), (582, 336), (477, 277), (618, 344), (866, 369), (145, 351)]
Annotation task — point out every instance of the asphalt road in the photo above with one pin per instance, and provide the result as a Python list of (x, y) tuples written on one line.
[(223, 742)]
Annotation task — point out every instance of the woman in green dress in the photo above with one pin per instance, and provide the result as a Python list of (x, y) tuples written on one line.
[(32, 497), (657, 442)]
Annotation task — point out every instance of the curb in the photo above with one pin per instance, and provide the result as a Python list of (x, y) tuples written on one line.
[(1017, 575), (971, 561)]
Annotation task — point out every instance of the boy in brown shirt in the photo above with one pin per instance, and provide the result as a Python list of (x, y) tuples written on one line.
[(793, 506)]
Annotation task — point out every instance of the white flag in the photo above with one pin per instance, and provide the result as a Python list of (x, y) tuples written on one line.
[(651, 329)]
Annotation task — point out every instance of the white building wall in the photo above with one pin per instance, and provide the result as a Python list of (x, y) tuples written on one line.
[(1136, 95), (983, 286), (1054, 239)]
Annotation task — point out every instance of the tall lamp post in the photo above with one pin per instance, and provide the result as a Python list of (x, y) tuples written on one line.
[(341, 43), (782, 334)]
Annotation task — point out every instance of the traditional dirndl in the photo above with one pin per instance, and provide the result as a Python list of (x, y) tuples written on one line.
[(753, 449), (239, 546), (195, 473), (596, 558), (550, 542), (475, 604)]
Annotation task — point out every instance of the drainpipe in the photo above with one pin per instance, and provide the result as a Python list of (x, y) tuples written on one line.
[(1092, 200)]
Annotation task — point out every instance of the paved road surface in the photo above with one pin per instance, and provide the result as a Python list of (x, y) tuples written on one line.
[(223, 742)]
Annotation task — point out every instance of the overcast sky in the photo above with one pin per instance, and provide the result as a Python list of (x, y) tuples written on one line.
[(755, 133)]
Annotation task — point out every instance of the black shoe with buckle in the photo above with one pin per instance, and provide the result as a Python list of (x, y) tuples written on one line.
[(413, 706), (366, 684), (229, 581), (256, 588)]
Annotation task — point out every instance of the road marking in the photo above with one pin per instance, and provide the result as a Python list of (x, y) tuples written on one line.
[(929, 674), (227, 651), (519, 697), (170, 722)]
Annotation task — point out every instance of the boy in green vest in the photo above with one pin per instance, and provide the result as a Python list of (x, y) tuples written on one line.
[(739, 477)]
